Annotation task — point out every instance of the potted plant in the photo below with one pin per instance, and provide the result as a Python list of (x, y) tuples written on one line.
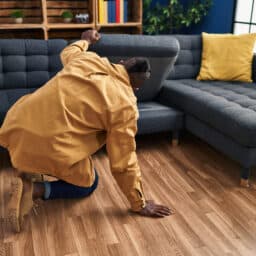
[(67, 16), (173, 17), (18, 16)]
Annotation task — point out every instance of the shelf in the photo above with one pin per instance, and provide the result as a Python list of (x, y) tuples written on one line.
[(43, 17), (20, 26), (127, 24), (71, 25)]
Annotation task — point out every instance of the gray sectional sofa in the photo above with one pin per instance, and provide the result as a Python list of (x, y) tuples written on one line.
[(220, 113)]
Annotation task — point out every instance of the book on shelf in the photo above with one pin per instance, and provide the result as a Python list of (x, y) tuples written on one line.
[(101, 11), (125, 10), (121, 11), (117, 18), (113, 11), (105, 11), (109, 6)]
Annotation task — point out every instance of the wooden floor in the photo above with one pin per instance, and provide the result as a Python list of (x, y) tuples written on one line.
[(214, 216)]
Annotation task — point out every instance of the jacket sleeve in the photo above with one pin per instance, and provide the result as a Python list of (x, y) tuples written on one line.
[(73, 50), (121, 149)]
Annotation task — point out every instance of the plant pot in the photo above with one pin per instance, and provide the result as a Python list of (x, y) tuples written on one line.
[(18, 20), (67, 20)]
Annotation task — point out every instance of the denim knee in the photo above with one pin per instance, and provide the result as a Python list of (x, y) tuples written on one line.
[(61, 189), (86, 191)]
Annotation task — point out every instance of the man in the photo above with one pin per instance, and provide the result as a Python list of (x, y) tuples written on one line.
[(56, 129)]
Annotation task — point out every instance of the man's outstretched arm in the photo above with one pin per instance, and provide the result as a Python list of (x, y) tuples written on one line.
[(75, 49), (121, 148)]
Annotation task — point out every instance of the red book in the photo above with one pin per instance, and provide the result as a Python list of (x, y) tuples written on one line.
[(118, 11)]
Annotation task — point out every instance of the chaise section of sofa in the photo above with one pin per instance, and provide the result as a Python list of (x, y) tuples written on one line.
[(221, 113)]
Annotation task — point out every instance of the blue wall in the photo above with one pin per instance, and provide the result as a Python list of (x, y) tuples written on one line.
[(160, 1), (218, 20)]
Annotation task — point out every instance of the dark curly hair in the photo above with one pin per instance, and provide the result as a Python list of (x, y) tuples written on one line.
[(140, 65)]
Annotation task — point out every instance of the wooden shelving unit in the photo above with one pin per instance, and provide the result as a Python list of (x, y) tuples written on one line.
[(42, 19)]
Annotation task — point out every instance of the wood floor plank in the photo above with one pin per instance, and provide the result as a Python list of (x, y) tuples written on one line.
[(213, 215)]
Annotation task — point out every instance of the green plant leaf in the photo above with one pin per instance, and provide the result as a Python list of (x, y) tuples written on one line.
[(162, 19), (17, 14), (67, 14)]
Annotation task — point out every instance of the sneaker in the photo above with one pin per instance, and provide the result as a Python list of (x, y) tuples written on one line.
[(13, 207), (27, 203)]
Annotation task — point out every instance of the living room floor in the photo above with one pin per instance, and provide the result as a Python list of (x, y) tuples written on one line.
[(213, 215)]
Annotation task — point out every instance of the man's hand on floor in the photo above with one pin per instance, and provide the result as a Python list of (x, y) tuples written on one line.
[(91, 36), (155, 210)]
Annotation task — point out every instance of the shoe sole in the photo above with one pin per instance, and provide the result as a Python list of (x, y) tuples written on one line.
[(14, 214)]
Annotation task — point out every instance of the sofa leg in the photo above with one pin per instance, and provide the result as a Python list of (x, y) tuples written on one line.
[(175, 138), (245, 174)]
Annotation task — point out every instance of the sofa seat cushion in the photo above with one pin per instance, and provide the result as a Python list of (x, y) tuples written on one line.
[(155, 117), (229, 107), (8, 97)]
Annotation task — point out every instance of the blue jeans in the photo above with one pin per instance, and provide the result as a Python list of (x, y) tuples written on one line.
[(61, 189)]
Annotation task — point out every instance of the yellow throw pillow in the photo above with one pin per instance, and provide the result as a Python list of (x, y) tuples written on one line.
[(227, 57)]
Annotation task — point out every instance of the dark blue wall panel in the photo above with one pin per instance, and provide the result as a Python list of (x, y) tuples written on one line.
[(160, 1), (218, 20)]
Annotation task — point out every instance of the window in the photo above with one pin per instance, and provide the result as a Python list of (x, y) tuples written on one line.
[(245, 17)]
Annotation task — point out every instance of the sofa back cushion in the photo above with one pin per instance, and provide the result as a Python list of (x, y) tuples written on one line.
[(28, 63), (188, 62), (161, 51)]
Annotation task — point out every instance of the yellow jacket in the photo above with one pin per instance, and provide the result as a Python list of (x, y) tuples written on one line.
[(56, 129)]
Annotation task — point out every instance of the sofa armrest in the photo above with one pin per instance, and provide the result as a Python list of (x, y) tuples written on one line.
[(254, 68), (136, 45)]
